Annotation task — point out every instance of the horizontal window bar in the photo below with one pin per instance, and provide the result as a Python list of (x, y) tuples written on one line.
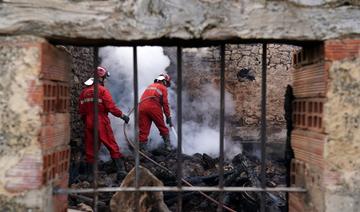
[(177, 189)]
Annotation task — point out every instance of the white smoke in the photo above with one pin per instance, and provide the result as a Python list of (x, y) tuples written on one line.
[(201, 125), (198, 136), (119, 62)]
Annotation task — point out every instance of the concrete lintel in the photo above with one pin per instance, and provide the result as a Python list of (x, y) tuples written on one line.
[(98, 22)]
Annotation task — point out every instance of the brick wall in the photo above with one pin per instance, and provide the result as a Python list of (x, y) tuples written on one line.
[(38, 82), (55, 118), (325, 138), (308, 137)]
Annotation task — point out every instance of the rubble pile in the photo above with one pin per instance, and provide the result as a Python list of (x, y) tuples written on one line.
[(199, 170)]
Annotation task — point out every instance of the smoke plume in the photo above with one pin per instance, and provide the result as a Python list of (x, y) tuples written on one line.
[(200, 115)]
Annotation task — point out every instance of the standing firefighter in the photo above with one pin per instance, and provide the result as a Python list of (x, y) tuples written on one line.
[(153, 103), (106, 136)]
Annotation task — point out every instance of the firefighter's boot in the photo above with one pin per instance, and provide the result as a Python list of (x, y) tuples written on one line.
[(143, 146), (167, 144), (89, 172), (120, 169)]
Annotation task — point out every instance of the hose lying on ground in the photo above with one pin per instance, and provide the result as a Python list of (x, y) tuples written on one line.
[(166, 169)]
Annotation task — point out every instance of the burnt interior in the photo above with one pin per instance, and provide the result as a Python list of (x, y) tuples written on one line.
[(243, 170)]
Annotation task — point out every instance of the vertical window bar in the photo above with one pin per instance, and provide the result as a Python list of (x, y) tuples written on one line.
[(263, 125), (222, 120), (96, 133), (179, 126), (136, 128)]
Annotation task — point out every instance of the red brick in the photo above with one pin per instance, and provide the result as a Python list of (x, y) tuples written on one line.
[(297, 173), (35, 93), (341, 49), (56, 97), (60, 202), (50, 93), (63, 104), (308, 146), (55, 63), (296, 202), (55, 130), (310, 81), (297, 179), (309, 54), (25, 175), (56, 164), (308, 114)]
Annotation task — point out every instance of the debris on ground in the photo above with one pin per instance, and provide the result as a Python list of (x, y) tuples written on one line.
[(199, 170)]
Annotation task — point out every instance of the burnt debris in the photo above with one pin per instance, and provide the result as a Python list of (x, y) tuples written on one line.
[(199, 170)]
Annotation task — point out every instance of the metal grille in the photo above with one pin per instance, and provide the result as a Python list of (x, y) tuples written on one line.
[(180, 188)]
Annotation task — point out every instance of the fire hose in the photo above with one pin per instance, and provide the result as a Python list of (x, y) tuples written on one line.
[(176, 136), (166, 169)]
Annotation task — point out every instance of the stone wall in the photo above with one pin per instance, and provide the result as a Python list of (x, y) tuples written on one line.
[(243, 82), (341, 178), (105, 22), (34, 124), (81, 69), (109, 21)]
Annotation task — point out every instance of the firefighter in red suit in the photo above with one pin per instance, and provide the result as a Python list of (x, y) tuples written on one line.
[(153, 103), (106, 136)]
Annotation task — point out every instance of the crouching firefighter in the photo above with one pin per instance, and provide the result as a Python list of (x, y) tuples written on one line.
[(153, 103), (106, 136)]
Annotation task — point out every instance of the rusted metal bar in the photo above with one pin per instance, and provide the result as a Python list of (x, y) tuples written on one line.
[(222, 124), (96, 133), (184, 188), (179, 126), (263, 126), (136, 127)]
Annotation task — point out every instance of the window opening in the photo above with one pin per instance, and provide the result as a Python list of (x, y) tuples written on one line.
[(182, 184)]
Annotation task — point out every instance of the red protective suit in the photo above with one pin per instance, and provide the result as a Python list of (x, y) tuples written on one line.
[(106, 135), (153, 102)]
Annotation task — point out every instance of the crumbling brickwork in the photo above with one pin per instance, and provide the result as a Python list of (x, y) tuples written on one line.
[(34, 122), (325, 138), (307, 137)]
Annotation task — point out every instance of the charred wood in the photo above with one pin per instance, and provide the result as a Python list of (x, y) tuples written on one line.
[(87, 200)]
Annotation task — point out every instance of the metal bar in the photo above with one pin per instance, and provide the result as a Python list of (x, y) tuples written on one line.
[(222, 120), (184, 188), (179, 126), (193, 43), (96, 133), (263, 125), (136, 127)]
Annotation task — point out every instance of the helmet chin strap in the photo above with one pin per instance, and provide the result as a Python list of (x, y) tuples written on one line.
[(164, 83)]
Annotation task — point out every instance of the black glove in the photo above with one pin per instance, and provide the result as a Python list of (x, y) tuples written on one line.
[(125, 118), (168, 121)]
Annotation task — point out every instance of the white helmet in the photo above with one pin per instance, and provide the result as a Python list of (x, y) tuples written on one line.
[(165, 78), (101, 73), (89, 82), (160, 78)]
